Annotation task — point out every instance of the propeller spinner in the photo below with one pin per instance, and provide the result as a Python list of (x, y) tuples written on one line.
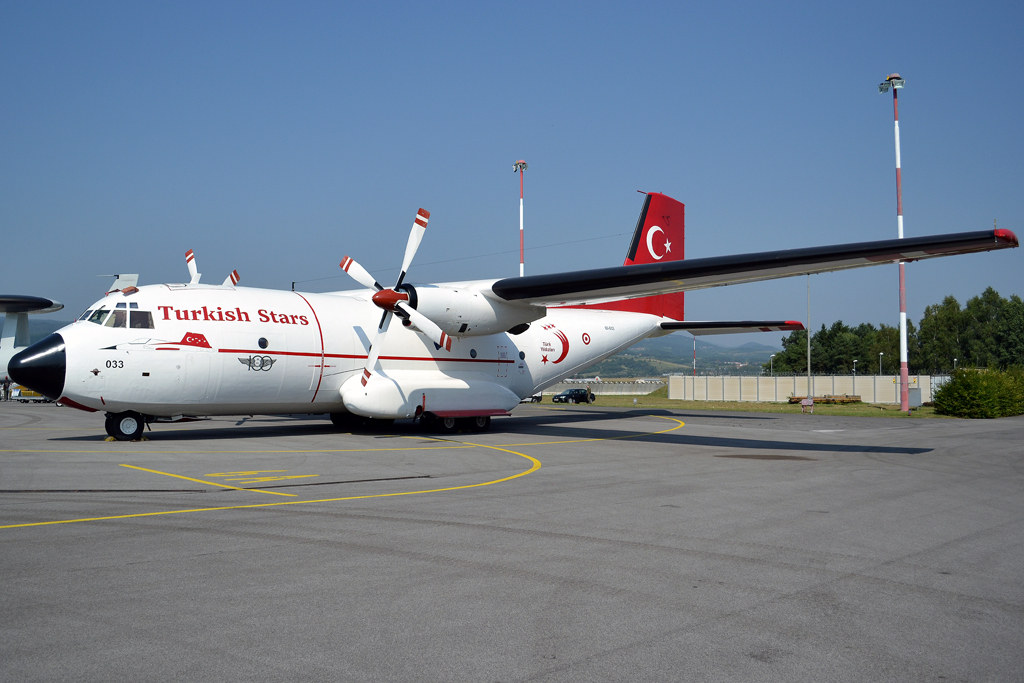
[(395, 302)]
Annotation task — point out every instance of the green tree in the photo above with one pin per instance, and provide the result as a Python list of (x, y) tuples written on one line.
[(983, 315), (1009, 335), (794, 353), (942, 337)]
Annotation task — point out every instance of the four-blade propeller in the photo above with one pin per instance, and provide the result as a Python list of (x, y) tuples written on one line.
[(394, 301)]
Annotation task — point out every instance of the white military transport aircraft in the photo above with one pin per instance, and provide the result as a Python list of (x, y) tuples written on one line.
[(460, 353)]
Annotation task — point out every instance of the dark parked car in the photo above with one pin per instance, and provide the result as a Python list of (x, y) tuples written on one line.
[(573, 396)]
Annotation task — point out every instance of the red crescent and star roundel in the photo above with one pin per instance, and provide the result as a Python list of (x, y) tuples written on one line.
[(547, 349), (658, 245)]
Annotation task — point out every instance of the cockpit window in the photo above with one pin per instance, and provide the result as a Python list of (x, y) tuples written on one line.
[(142, 320), (85, 316), (98, 316), (118, 319)]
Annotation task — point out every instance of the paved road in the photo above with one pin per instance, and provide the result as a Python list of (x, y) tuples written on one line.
[(649, 546)]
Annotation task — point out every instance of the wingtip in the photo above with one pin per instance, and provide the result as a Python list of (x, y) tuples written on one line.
[(1006, 236)]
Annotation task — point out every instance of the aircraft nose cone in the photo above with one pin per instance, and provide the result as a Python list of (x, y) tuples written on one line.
[(41, 367)]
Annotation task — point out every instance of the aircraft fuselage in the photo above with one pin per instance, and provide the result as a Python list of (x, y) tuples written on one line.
[(169, 350)]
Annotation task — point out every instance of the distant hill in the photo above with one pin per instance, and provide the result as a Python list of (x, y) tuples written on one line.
[(39, 328), (674, 354)]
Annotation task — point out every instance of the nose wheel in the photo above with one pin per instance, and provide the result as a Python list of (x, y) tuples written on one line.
[(126, 426)]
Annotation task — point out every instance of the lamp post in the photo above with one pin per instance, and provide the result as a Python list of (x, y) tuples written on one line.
[(854, 367), (771, 364), (520, 166), (880, 354), (854, 376), (954, 364), (894, 82)]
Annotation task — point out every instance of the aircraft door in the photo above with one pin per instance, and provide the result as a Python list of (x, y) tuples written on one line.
[(196, 383), (503, 360)]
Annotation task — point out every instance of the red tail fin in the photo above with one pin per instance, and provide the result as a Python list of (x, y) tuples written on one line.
[(659, 236)]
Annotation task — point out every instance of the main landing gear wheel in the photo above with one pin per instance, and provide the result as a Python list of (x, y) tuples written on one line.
[(126, 426), (480, 423)]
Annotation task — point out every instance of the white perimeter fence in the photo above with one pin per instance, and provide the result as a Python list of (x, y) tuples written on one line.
[(870, 388)]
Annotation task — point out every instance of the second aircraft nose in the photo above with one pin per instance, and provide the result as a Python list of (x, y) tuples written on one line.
[(41, 367)]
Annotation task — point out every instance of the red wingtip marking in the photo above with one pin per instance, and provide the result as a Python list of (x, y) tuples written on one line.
[(424, 213), (421, 223), (345, 263), (1004, 235), (794, 325)]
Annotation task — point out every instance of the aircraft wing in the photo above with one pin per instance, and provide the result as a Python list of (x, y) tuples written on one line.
[(623, 282), (698, 327)]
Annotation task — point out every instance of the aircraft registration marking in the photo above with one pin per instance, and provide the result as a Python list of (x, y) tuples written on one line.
[(535, 465)]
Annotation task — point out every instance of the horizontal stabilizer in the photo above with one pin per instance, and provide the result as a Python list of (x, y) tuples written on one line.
[(699, 327), (625, 282)]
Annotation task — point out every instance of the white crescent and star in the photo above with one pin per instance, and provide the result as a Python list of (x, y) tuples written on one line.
[(650, 243)]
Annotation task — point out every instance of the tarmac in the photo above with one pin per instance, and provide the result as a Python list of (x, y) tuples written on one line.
[(566, 544)]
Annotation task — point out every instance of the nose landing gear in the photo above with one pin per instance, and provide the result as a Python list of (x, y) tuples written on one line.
[(127, 426)]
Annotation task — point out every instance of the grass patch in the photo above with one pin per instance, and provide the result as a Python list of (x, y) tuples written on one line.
[(660, 399)]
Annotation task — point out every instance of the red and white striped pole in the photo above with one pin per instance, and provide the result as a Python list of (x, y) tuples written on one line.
[(894, 82), (520, 166)]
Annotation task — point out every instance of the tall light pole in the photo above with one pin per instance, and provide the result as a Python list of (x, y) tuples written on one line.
[(810, 394), (520, 166), (854, 367), (894, 82), (880, 354), (771, 364)]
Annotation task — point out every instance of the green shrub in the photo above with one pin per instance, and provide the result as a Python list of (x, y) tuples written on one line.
[(982, 394)]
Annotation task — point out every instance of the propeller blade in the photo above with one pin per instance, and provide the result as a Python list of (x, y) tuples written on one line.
[(232, 279), (359, 274), (193, 269), (427, 327), (419, 227), (378, 340)]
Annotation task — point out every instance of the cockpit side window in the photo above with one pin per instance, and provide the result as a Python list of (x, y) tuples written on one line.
[(85, 316), (142, 320), (118, 319), (98, 316)]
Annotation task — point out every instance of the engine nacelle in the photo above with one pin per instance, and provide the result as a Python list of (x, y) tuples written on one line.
[(466, 312)]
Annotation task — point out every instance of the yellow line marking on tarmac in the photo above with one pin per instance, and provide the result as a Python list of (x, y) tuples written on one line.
[(536, 465), (309, 450), (208, 483)]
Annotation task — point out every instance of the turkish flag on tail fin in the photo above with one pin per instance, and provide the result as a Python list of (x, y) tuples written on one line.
[(660, 232), (659, 236)]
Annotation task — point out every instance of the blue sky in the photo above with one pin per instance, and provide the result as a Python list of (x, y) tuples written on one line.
[(276, 138)]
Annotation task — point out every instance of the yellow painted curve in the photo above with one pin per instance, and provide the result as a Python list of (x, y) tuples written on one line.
[(535, 465)]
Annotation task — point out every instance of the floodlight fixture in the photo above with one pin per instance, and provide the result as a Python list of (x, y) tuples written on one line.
[(892, 81)]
